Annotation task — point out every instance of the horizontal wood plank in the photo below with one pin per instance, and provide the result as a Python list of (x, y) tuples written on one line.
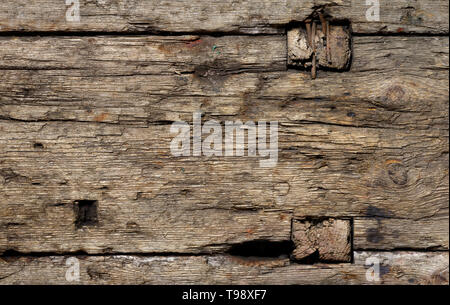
[(254, 16), (93, 126), (395, 268), (145, 55), (87, 174), (153, 55), (128, 226), (130, 171), (386, 233)]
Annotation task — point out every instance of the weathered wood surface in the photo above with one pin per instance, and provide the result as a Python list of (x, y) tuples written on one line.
[(254, 16), (130, 172), (86, 167), (330, 239), (89, 118), (156, 55), (144, 55), (386, 233), (395, 268)]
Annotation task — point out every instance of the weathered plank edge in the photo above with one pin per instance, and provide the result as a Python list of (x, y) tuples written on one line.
[(370, 268), (251, 17)]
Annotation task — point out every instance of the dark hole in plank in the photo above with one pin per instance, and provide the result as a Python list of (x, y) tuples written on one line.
[(38, 145), (310, 259), (86, 213), (262, 248)]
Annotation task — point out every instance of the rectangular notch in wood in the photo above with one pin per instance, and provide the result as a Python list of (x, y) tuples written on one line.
[(327, 240), (85, 213), (318, 43)]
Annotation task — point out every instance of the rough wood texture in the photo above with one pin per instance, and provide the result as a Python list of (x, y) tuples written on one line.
[(330, 47), (153, 55), (395, 268), (244, 16), (387, 233), (131, 227), (350, 143), (403, 267), (330, 239), (85, 164)]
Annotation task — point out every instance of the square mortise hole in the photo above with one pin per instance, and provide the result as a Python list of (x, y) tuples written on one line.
[(325, 44), (86, 213)]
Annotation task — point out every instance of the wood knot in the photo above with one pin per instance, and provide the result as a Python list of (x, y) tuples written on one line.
[(398, 173), (395, 96), (133, 227)]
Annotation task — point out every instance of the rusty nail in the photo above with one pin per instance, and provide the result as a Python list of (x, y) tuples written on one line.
[(314, 68), (308, 31), (313, 34), (324, 23), (328, 43)]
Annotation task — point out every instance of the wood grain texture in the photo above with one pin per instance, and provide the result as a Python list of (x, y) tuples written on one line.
[(78, 69), (154, 55), (254, 16), (144, 55), (84, 124), (395, 268), (86, 169), (386, 233), (329, 239), (131, 226)]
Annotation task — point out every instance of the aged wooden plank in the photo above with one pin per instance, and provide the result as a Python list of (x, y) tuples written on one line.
[(99, 55), (387, 233), (145, 194), (131, 226), (255, 16), (122, 55), (349, 143), (395, 268), (385, 97), (374, 53), (403, 267), (393, 95)]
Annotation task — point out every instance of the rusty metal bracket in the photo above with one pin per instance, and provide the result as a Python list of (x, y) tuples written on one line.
[(318, 43)]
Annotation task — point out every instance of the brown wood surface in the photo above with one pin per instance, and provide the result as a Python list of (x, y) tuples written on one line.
[(407, 268), (85, 115), (243, 16)]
